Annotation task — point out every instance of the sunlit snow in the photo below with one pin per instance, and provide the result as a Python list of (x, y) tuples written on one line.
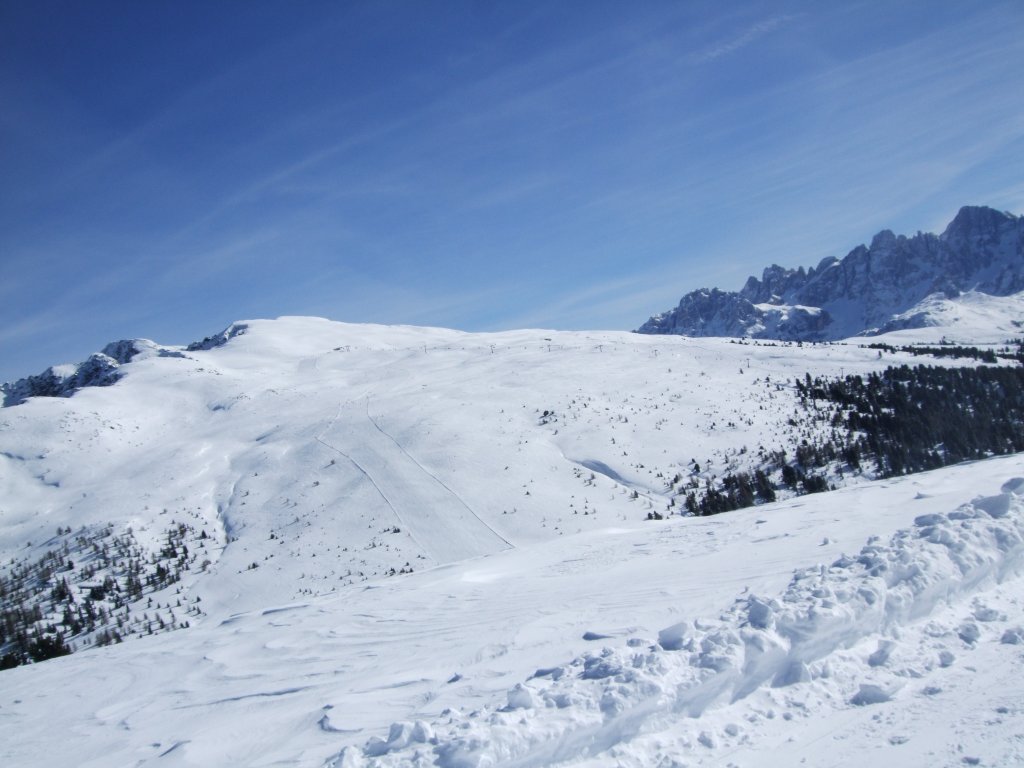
[(428, 547)]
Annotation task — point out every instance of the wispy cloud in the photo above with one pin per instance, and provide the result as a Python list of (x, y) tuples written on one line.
[(626, 160), (749, 35)]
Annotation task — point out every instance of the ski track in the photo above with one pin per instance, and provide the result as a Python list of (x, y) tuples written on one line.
[(436, 479), (435, 516)]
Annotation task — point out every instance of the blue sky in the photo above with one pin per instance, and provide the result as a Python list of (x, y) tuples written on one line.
[(167, 168)]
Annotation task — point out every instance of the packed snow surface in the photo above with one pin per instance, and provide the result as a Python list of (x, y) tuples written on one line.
[(545, 621)]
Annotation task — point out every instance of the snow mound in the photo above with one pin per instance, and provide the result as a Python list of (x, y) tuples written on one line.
[(879, 598)]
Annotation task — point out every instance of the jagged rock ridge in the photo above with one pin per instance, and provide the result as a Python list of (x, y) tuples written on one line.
[(982, 250)]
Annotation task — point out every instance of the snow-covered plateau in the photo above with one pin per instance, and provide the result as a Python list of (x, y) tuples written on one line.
[(397, 546)]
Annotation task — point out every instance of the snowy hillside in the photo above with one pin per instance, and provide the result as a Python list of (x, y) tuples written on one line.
[(370, 545), (895, 283)]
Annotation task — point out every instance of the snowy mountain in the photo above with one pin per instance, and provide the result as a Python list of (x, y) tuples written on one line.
[(302, 542), (99, 370), (893, 284)]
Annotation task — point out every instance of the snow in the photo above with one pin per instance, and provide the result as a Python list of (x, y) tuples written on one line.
[(972, 316), (437, 519), (813, 636), (769, 622), (545, 620)]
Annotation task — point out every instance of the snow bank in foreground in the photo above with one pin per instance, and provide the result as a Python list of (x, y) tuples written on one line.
[(854, 629)]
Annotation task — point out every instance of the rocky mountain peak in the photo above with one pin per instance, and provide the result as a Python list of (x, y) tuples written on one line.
[(973, 221), (981, 250)]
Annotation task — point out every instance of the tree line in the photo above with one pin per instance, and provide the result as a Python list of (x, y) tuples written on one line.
[(902, 420)]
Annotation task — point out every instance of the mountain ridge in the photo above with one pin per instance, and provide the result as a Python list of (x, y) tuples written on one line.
[(981, 250)]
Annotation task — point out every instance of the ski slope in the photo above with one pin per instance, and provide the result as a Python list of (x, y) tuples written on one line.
[(428, 547), (303, 438)]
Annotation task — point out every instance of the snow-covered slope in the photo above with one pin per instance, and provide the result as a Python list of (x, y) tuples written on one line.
[(764, 637), (972, 316), (894, 283), (387, 525), (328, 437)]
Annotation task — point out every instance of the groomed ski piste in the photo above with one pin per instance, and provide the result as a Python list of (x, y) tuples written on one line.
[(553, 624)]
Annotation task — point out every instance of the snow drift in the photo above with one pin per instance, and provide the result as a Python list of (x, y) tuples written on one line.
[(603, 699)]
